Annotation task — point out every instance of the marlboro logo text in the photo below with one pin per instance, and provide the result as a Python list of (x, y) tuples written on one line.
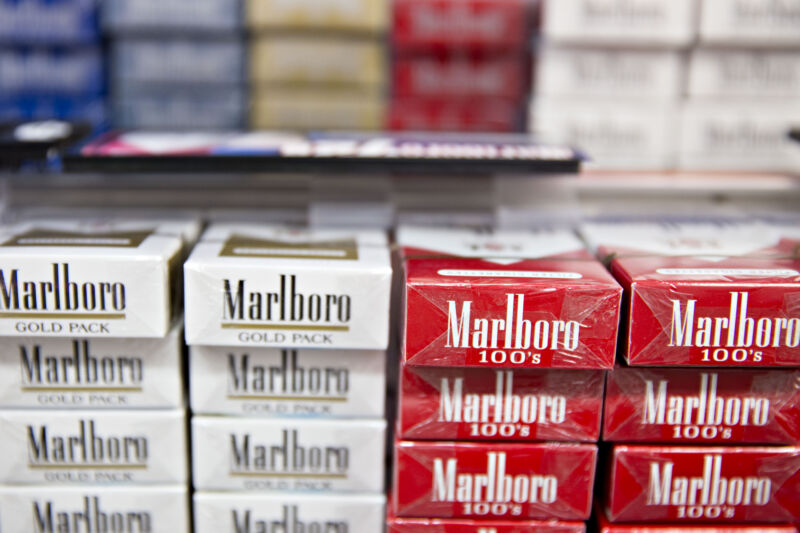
[(289, 522), (285, 308), (494, 486), (59, 296), (86, 448), (288, 458), (90, 518), (711, 488)]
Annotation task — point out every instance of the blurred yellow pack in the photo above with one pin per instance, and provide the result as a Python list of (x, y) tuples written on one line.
[(342, 15), (318, 108)]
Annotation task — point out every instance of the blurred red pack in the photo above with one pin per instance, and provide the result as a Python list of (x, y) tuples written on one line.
[(711, 294), (493, 480), (454, 114), (508, 299), (500, 405), (711, 406), (447, 77), (734, 484), (604, 526), (424, 25)]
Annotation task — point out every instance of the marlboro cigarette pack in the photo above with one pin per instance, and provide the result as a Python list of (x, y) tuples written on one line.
[(745, 73), (287, 382), (217, 512), (719, 406), (501, 404), (454, 114), (91, 373), (543, 302), (704, 484), (85, 447), (604, 526), (495, 77), (158, 509), (493, 480), (423, 25), (249, 285), (706, 294), (755, 22), (357, 16), (452, 525), (69, 279), (232, 453)]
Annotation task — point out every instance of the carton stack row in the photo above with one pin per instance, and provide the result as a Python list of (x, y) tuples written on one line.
[(51, 61), (288, 331), (93, 423), (505, 338)]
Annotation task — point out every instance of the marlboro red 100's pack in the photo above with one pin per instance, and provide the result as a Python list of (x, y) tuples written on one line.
[(705, 293), (684, 405), (702, 484), (500, 404), (604, 526), (490, 480), (522, 300)]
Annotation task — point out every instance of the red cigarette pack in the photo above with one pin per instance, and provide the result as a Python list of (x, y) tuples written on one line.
[(548, 304), (604, 526), (709, 406), (450, 525), (502, 404), (732, 484), (454, 114), (725, 294), (493, 480), (444, 77), (445, 24)]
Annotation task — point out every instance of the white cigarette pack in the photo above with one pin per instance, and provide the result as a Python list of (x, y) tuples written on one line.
[(91, 373), (160, 509), (102, 279), (216, 512), (738, 134), (287, 382), (235, 453), (645, 22), (614, 135), (750, 22), (93, 447), (582, 71), (746, 73), (271, 286)]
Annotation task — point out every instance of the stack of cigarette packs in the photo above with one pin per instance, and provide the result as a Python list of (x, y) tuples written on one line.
[(459, 65), (703, 414), (92, 415), (506, 336), (318, 64), (609, 78), (288, 330)]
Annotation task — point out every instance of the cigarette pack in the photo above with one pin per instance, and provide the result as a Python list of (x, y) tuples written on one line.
[(616, 135), (750, 22), (309, 107), (236, 513), (45, 71), (92, 373), (493, 480), (495, 77), (705, 293), (704, 484), (454, 114), (176, 108), (158, 509), (638, 22), (579, 72), (212, 16), (719, 406), (325, 59), (604, 526), (548, 305), (745, 73), (738, 134), (27, 107), (451, 525), (424, 25), (85, 447), (500, 405), (249, 285), (43, 22), (233, 453), (284, 382), (361, 16), (69, 279)]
